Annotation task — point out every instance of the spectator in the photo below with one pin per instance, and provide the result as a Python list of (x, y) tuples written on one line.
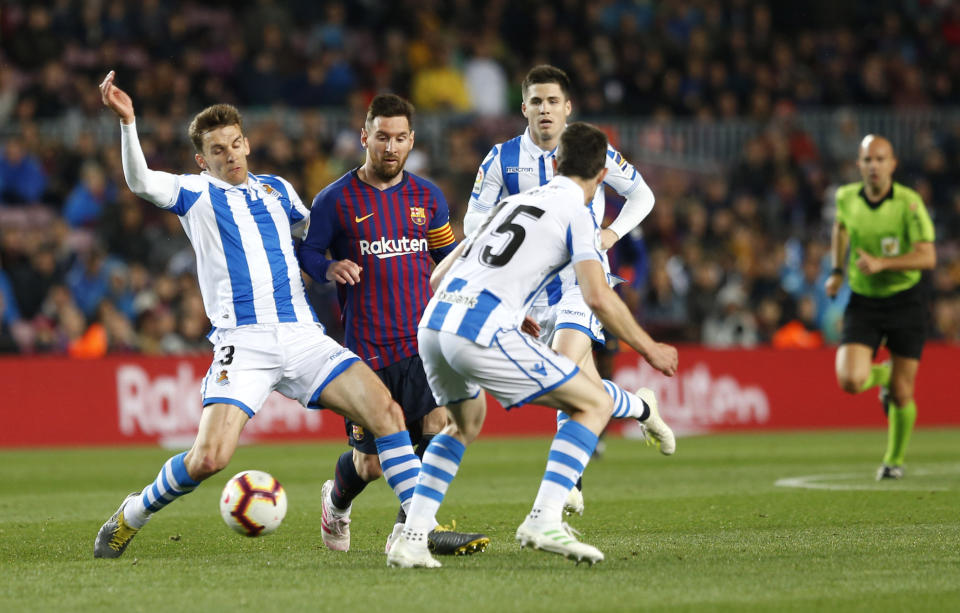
[(123, 228), (664, 313), (89, 280), (731, 324), (33, 278), (439, 86), (21, 177), (745, 84), (486, 78), (802, 332), (93, 193)]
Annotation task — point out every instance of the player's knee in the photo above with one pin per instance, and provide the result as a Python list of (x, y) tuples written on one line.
[(467, 429), (435, 421), (605, 406), (901, 394), (384, 416), (205, 463), (850, 384), (368, 466), (599, 407)]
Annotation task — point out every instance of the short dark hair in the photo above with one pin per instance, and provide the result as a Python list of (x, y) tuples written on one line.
[(211, 118), (545, 73), (390, 105), (588, 151)]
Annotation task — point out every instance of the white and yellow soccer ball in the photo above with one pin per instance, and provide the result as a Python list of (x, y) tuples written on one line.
[(253, 503)]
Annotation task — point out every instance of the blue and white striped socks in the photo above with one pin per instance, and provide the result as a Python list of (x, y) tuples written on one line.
[(172, 482), (625, 405), (400, 465), (569, 454), (440, 463)]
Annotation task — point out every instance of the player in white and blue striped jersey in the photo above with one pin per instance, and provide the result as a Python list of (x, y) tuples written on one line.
[(558, 315), (470, 341), (528, 161), (266, 336)]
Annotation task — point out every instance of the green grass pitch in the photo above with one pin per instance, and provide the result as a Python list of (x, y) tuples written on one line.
[(706, 529)]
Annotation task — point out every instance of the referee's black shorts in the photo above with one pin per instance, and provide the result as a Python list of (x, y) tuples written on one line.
[(901, 319), (407, 382)]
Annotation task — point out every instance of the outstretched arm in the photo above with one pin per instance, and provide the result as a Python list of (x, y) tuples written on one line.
[(616, 317), (160, 188)]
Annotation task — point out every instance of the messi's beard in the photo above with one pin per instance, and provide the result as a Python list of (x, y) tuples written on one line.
[(385, 173)]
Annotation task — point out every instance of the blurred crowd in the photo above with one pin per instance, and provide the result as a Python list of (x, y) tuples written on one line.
[(732, 256)]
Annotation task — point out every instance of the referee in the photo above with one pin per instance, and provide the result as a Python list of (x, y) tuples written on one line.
[(890, 236)]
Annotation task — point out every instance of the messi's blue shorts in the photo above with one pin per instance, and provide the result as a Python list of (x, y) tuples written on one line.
[(408, 385)]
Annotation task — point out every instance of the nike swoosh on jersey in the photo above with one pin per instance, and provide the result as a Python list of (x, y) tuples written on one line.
[(365, 217)]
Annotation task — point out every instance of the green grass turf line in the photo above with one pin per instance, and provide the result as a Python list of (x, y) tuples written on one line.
[(706, 529)]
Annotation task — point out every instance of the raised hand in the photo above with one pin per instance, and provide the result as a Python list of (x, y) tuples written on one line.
[(116, 99)]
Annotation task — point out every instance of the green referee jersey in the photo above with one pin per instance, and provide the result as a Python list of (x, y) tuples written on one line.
[(886, 229)]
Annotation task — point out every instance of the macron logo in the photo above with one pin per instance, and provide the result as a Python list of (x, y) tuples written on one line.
[(391, 248)]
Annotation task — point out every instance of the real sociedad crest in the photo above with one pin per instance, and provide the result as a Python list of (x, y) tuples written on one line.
[(418, 215)]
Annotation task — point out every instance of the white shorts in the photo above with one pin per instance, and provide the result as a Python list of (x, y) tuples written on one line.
[(296, 359), (515, 369), (571, 312)]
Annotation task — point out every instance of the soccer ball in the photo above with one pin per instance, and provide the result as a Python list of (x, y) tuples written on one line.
[(253, 503)]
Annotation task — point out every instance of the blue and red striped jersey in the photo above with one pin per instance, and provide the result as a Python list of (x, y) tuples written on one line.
[(393, 235)]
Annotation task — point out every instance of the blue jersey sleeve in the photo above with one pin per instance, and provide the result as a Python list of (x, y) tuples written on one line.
[(320, 231)]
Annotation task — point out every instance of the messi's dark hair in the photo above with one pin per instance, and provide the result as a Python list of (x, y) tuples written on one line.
[(390, 105)]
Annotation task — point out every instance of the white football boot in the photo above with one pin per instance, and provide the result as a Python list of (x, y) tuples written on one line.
[(411, 552), (334, 526), (654, 424), (397, 531), (557, 538)]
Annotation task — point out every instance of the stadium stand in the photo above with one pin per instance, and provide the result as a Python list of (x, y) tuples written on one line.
[(742, 116)]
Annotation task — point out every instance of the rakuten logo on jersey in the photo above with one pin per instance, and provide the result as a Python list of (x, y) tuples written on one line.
[(391, 248)]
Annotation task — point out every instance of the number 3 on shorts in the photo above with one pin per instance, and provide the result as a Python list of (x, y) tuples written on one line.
[(227, 358)]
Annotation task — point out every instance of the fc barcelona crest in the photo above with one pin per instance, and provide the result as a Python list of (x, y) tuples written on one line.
[(418, 215)]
